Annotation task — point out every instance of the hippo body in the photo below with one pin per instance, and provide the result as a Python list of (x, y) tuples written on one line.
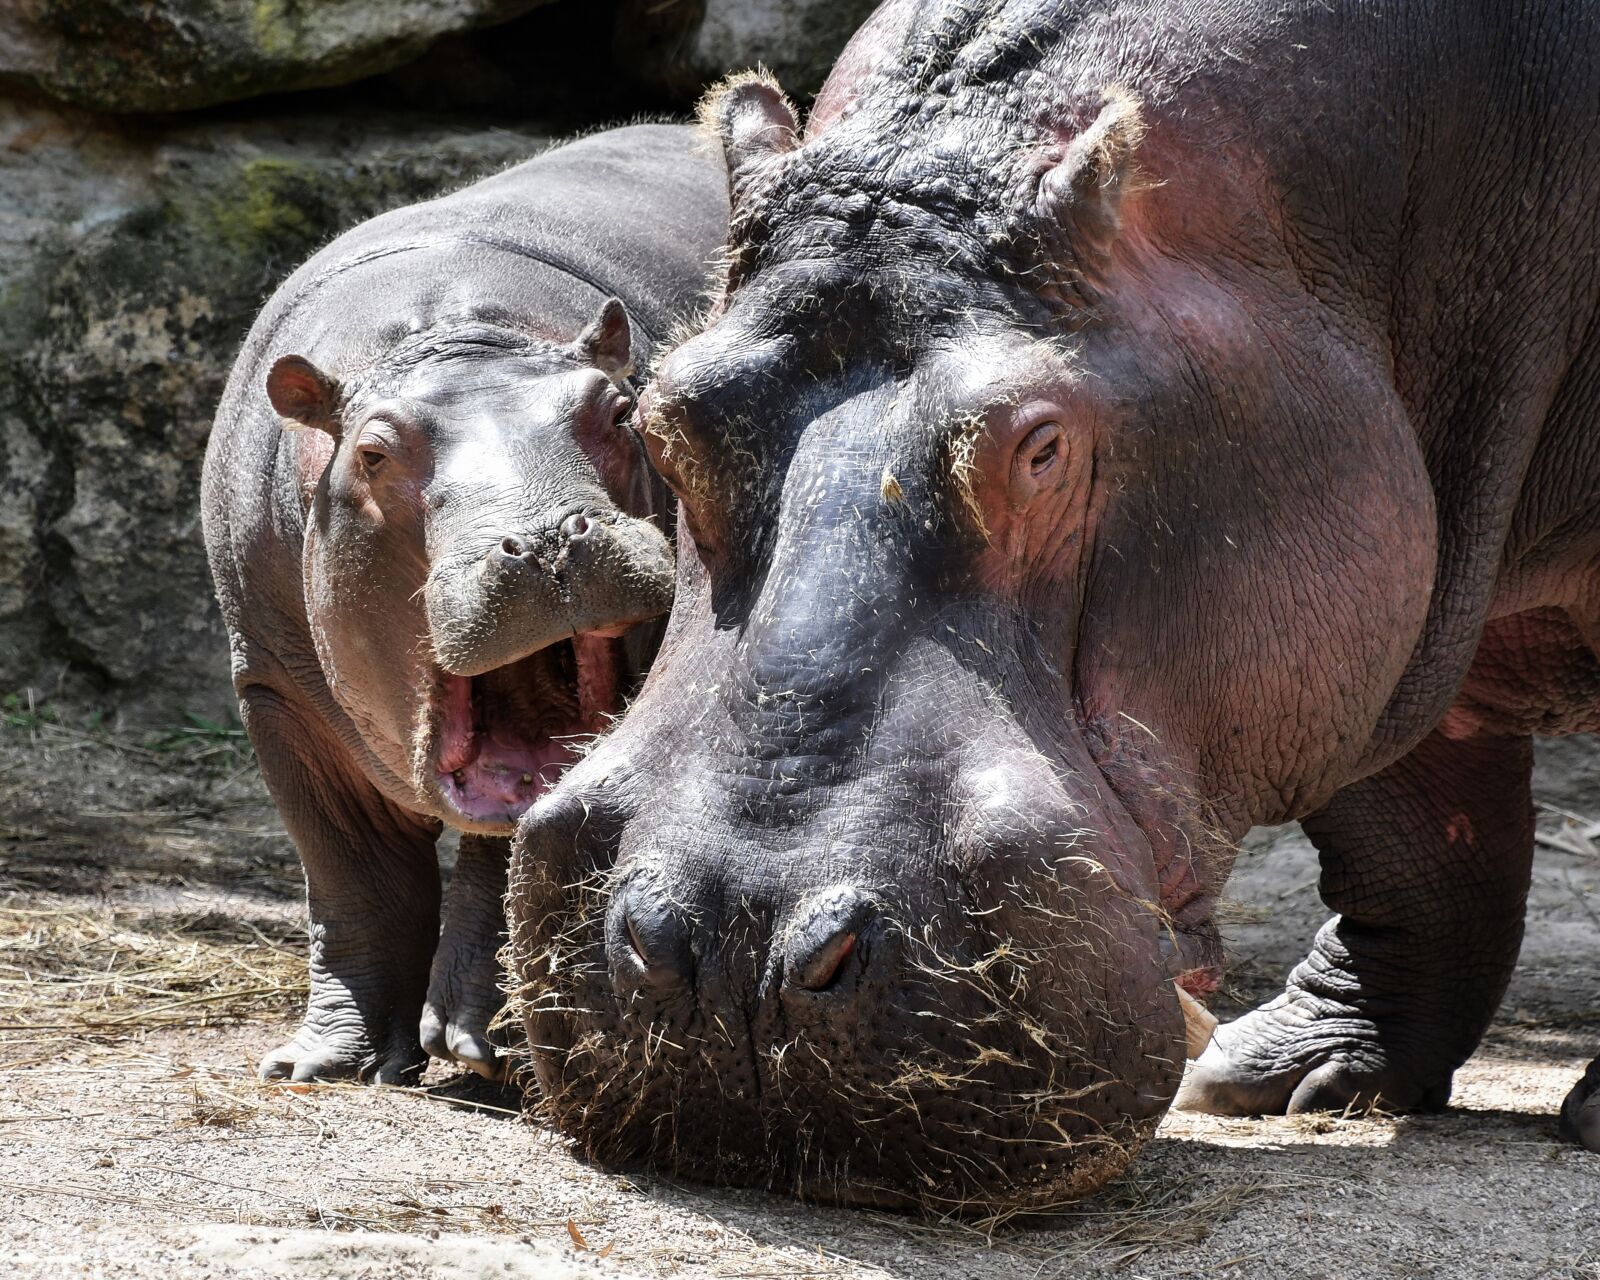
[(441, 556), (1124, 423)]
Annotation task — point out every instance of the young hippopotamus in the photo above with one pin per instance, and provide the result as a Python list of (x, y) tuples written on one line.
[(1123, 424), (439, 549)]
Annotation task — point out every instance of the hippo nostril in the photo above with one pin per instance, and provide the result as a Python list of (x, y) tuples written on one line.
[(513, 547), (824, 968), (637, 945), (649, 943), (575, 526), (825, 934)]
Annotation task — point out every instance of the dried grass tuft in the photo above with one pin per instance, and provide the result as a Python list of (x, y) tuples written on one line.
[(110, 974)]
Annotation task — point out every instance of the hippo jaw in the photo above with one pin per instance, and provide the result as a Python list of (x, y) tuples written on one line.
[(490, 744), (535, 646)]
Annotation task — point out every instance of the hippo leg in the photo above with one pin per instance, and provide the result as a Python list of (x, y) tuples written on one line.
[(464, 988), (1428, 864), (372, 892)]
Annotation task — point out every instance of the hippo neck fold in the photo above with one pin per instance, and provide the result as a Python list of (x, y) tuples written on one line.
[(639, 307), (644, 315)]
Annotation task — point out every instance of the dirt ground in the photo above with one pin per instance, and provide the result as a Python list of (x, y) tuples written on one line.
[(150, 951)]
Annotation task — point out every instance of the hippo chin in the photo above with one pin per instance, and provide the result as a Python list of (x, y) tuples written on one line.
[(442, 558), (1122, 425)]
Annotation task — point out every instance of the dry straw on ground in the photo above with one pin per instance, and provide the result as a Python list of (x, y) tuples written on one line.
[(101, 973)]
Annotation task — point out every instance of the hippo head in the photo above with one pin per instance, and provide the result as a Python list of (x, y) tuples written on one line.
[(880, 891), (483, 541)]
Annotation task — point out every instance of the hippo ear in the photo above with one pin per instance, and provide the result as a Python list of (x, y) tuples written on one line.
[(754, 120), (303, 395), (1080, 196), (608, 341)]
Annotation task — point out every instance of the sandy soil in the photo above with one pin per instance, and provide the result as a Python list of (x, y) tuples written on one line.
[(150, 951)]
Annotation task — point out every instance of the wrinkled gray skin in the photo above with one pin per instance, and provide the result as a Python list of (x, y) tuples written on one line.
[(1126, 422), (439, 550)]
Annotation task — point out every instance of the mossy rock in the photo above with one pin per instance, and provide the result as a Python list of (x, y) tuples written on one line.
[(132, 262), (172, 55)]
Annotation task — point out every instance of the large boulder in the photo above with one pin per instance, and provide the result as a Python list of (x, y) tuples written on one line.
[(132, 261), (135, 250), (171, 55)]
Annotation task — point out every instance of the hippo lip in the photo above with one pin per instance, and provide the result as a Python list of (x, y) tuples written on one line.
[(498, 740)]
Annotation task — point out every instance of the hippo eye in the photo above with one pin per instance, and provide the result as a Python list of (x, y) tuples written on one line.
[(372, 459), (1042, 448)]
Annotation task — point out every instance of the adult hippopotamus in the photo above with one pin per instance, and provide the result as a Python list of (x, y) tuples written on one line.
[(439, 550), (1122, 424)]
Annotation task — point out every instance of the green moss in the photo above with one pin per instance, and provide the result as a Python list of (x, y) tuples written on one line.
[(272, 22), (271, 205)]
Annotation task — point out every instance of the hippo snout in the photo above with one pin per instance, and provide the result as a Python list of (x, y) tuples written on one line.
[(582, 572), (841, 1016)]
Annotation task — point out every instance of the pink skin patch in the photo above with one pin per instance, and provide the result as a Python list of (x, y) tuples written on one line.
[(1200, 982), (504, 737)]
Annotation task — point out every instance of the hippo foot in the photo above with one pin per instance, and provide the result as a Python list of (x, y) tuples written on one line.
[(1300, 1054), (1580, 1113), (455, 1028), (464, 983), (315, 1055)]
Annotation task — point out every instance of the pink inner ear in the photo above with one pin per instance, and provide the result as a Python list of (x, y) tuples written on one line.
[(755, 120), (298, 390)]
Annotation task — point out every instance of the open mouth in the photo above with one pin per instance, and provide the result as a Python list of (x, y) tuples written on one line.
[(497, 741)]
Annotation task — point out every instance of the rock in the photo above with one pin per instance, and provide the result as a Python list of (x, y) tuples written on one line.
[(613, 58), (684, 45), (172, 55), (132, 261), (134, 252)]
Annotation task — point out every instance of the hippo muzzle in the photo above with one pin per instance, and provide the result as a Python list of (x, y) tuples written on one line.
[(590, 573), (537, 641), (960, 1008)]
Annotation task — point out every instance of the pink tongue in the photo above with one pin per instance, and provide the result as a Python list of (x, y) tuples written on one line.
[(458, 746), (597, 679), (517, 778)]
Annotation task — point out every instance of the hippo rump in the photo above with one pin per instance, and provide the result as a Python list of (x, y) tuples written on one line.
[(439, 550), (1123, 424)]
